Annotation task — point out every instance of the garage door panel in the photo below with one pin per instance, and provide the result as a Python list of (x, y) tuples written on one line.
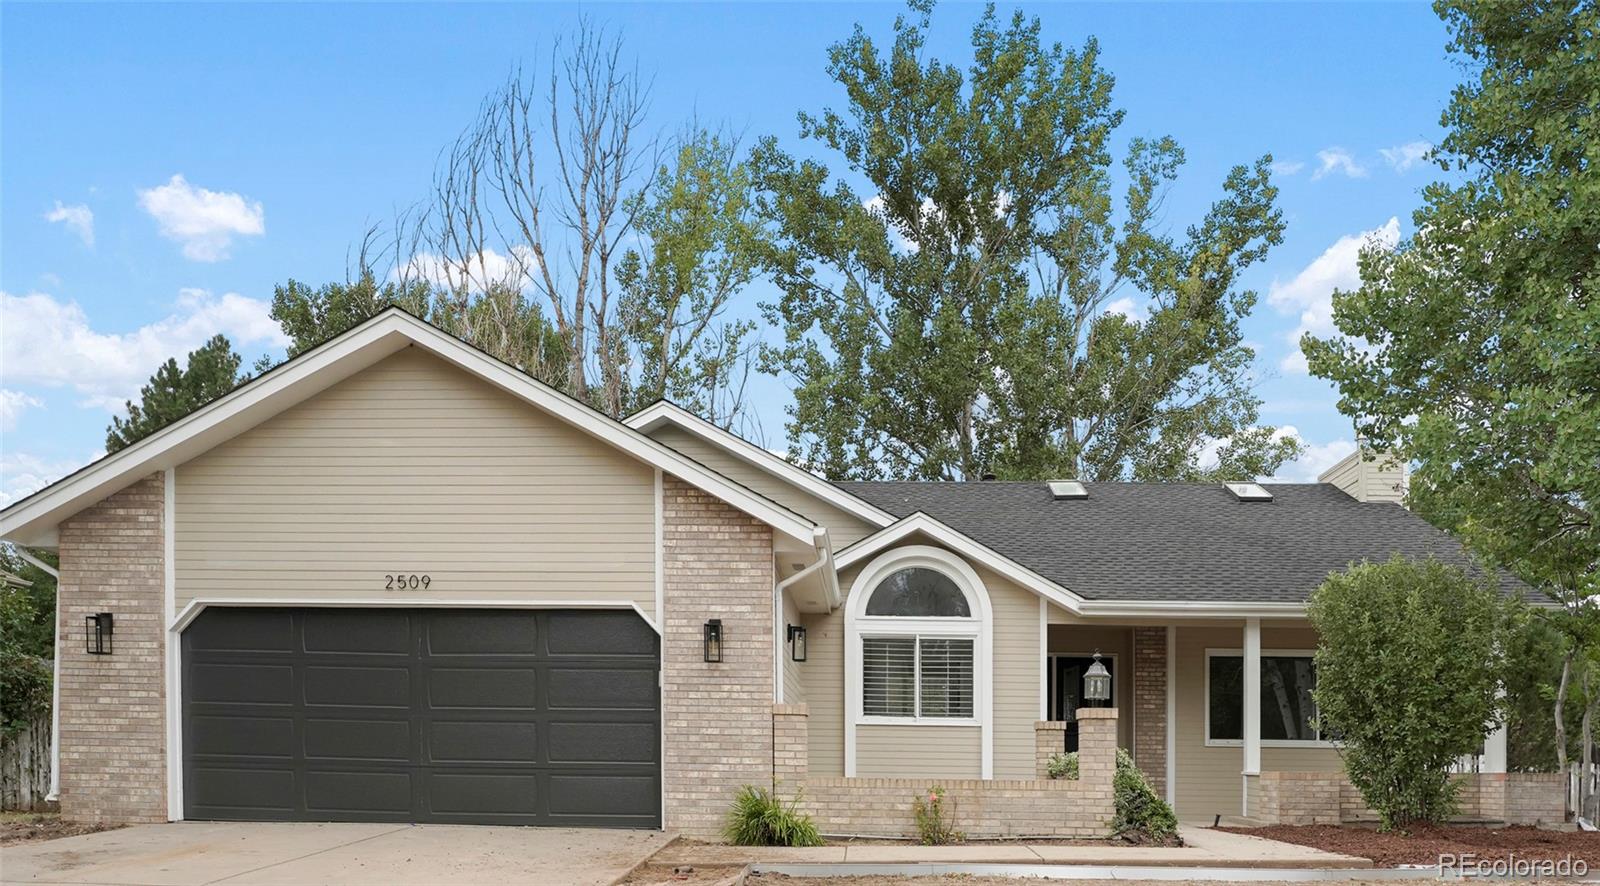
[(603, 742), (357, 632), (520, 717), (475, 634), (342, 685), (579, 633), (483, 688), (634, 689), (235, 736), (254, 684), (491, 793), (358, 740), (479, 742), (356, 791)]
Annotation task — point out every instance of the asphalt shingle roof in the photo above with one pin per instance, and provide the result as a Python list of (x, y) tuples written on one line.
[(1175, 541)]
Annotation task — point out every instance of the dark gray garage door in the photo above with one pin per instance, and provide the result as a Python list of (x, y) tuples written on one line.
[(464, 716)]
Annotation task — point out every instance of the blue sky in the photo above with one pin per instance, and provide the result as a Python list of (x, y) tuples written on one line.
[(163, 166)]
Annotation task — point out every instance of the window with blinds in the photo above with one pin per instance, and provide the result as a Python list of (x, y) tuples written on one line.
[(916, 676)]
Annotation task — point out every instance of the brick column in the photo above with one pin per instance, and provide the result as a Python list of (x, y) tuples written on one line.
[(1150, 705), (791, 751), (1097, 761), (717, 718), (113, 713), (1049, 738)]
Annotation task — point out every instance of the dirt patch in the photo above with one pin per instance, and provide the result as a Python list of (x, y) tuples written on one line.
[(1424, 845), (693, 875), (962, 880), (29, 827)]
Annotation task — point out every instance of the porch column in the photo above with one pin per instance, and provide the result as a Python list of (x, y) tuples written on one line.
[(1150, 704), (1494, 747), (1252, 703)]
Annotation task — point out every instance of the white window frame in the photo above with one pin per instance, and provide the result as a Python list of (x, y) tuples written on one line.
[(1265, 742), (979, 627)]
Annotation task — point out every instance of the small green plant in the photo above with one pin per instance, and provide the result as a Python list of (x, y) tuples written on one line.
[(759, 817), (1062, 765), (1141, 815), (936, 818)]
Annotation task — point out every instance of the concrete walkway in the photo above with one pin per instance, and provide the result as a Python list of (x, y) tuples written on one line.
[(1205, 848), (197, 853)]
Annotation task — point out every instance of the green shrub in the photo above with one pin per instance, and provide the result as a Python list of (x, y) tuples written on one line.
[(1409, 659), (1062, 765), (1141, 815), (936, 819), (760, 818)]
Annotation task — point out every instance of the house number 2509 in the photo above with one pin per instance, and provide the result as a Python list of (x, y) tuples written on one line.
[(407, 581)]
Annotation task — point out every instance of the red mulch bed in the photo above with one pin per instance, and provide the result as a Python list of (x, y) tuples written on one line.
[(1424, 845)]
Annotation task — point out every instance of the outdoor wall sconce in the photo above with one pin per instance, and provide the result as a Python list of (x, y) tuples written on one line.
[(797, 642), (1097, 683), (97, 633), (714, 640)]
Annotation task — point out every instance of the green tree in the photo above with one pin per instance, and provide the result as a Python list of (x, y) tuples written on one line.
[(1473, 348), (1409, 661), (953, 318), (312, 316), (172, 393), (27, 640), (700, 253)]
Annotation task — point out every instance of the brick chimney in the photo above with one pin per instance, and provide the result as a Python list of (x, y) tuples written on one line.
[(1366, 475)]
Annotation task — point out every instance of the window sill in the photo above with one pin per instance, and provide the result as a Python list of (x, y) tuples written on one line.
[(917, 721)]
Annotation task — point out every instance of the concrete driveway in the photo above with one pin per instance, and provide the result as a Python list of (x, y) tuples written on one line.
[(195, 853)]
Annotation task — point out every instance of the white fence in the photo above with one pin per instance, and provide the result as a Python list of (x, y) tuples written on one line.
[(25, 767), (1583, 791)]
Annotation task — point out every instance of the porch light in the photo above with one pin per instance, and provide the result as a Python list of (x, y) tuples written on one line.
[(714, 640), (1097, 683), (797, 642), (97, 633)]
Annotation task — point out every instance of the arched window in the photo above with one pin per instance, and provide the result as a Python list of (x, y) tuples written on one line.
[(919, 625)]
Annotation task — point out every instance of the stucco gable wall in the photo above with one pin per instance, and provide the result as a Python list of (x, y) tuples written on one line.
[(415, 467)]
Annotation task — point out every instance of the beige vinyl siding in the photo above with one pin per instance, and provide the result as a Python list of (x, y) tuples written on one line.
[(931, 751), (413, 466), (1209, 779), (1383, 480), (794, 687), (1110, 640), (844, 528), (919, 752)]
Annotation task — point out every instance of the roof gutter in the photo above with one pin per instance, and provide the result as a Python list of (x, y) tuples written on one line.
[(1190, 609), (824, 563)]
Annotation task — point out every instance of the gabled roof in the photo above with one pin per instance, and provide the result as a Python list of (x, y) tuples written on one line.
[(33, 520), (1130, 544)]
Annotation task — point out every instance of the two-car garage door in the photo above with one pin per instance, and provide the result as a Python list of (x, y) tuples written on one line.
[(462, 716)]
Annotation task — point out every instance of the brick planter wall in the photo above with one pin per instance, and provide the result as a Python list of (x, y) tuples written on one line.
[(113, 707), (717, 718), (1150, 705), (1302, 798), (997, 808)]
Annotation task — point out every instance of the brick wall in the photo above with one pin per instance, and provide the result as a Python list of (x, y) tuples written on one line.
[(1297, 798), (1150, 705), (1535, 798), (717, 717), (998, 808), (113, 715)]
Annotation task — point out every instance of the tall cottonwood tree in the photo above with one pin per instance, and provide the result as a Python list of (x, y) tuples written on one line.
[(952, 318), (1473, 348)]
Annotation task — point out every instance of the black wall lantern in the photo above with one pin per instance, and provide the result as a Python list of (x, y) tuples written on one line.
[(714, 640), (797, 642), (1097, 683), (97, 633)]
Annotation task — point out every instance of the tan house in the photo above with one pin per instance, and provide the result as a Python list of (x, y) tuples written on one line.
[(396, 580)]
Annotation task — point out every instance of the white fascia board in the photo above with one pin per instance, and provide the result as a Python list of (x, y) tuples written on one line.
[(33, 520), (663, 412), (1190, 609), (964, 545)]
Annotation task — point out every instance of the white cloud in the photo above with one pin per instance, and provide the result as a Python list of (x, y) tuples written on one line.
[(1311, 291), (1287, 167), (78, 218), (12, 405), (51, 343), (204, 221), (486, 268), (1338, 160), (1403, 157), (1127, 308), (1316, 458), (22, 474)]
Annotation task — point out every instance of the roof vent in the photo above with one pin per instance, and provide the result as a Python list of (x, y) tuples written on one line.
[(1067, 489), (1249, 491)]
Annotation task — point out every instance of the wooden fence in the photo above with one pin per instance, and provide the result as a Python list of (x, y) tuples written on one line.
[(25, 767)]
